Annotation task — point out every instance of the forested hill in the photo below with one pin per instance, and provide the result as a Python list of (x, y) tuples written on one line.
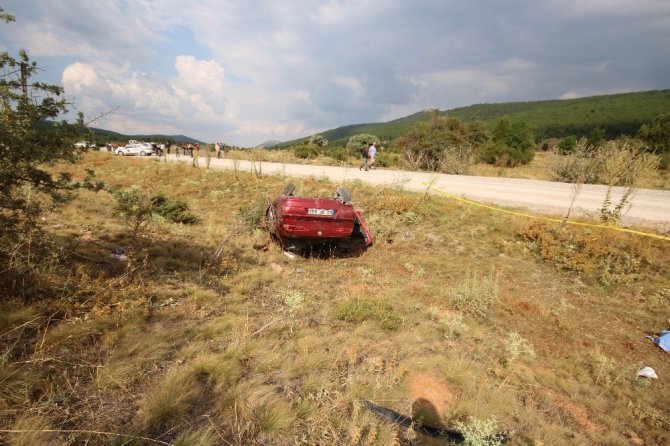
[(102, 136), (616, 114)]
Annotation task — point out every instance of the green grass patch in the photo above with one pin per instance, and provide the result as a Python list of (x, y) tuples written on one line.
[(356, 311)]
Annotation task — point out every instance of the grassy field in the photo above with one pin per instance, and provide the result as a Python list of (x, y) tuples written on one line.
[(456, 316)]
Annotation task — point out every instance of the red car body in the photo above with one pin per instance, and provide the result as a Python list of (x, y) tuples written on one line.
[(298, 223)]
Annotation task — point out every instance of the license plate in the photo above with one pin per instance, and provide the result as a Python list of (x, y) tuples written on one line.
[(316, 211)]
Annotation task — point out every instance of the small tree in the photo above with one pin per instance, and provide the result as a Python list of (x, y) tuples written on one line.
[(318, 141), (29, 143), (567, 145), (596, 137), (357, 142), (657, 136), (426, 145), (512, 144)]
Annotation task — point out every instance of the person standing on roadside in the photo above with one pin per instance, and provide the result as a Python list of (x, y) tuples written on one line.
[(372, 155), (217, 148), (365, 155), (196, 154)]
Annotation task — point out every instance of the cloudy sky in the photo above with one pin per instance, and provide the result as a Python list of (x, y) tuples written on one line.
[(244, 72)]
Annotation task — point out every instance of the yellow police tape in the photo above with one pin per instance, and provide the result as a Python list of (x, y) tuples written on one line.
[(556, 220)]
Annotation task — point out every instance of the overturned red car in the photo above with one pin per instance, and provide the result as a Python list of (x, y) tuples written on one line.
[(305, 224)]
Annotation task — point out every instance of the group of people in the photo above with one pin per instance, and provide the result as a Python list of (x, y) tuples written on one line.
[(187, 150), (369, 154)]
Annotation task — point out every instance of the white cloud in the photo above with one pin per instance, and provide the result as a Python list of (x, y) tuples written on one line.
[(250, 71), (196, 96), (570, 95)]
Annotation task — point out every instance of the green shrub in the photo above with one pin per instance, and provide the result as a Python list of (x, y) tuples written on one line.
[(512, 145), (567, 145), (305, 151), (502, 155), (358, 310), (357, 142), (338, 154), (173, 210), (425, 144), (664, 164), (318, 141), (135, 207)]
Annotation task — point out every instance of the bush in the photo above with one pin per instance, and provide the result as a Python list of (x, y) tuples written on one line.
[(425, 145), (173, 210), (357, 142), (578, 167), (657, 134), (457, 159), (305, 151), (338, 154), (318, 141), (512, 145), (582, 251), (567, 145), (502, 155), (135, 207)]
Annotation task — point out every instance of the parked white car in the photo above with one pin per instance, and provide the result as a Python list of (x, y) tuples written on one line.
[(81, 144), (134, 149)]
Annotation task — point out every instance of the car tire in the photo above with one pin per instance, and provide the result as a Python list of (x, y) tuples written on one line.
[(270, 219), (288, 190), (120, 152), (143, 153), (343, 195)]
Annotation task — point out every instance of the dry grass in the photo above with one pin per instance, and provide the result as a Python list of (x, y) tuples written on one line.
[(257, 348)]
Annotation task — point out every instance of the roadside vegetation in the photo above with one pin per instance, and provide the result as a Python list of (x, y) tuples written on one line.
[(199, 331), (447, 145)]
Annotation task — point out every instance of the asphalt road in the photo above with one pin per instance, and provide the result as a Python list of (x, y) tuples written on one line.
[(650, 208)]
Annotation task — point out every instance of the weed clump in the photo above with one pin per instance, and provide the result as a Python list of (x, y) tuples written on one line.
[(251, 215), (356, 311), (478, 432), (584, 252), (516, 347), (473, 295)]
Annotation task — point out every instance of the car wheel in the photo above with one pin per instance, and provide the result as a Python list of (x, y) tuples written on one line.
[(270, 219), (343, 195), (120, 152), (142, 153), (288, 190)]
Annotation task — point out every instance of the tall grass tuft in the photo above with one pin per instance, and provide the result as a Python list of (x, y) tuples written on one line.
[(30, 431), (170, 403), (196, 438), (474, 295)]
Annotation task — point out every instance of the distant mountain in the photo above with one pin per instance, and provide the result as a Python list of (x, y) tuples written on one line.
[(268, 144), (616, 114), (102, 135)]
